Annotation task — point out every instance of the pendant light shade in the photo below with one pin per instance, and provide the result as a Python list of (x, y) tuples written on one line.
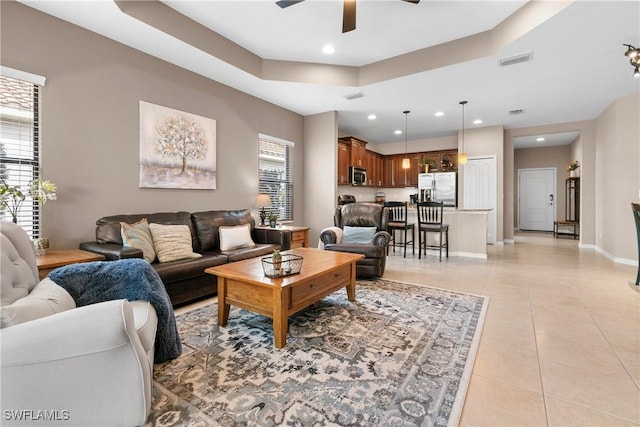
[(462, 156), (406, 163)]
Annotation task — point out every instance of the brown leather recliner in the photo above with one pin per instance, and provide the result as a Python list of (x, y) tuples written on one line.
[(362, 215)]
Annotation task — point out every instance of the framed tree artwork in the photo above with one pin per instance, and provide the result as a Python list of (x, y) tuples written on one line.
[(177, 149)]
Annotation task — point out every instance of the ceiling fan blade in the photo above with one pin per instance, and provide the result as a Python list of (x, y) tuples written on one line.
[(349, 16), (287, 3), (412, 1)]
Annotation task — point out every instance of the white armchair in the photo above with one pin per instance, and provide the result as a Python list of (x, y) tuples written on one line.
[(84, 366)]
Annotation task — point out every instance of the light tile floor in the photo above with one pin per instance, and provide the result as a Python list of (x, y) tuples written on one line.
[(561, 341)]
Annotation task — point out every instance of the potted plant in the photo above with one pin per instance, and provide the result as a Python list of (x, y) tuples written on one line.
[(572, 168), (277, 262), (426, 163), (12, 197), (273, 218)]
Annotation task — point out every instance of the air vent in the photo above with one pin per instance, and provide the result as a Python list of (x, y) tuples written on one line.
[(523, 57), (515, 112), (355, 95)]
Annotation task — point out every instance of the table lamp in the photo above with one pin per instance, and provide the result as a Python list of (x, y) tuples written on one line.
[(263, 201)]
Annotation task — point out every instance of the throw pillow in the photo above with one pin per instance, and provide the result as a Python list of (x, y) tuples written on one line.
[(235, 237), (358, 234), (138, 235), (172, 242)]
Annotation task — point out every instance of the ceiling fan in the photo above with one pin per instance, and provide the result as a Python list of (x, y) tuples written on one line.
[(348, 11)]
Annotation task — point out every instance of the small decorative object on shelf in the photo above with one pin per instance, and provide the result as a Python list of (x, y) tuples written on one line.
[(42, 245), (273, 219), (572, 168), (446, 164), (279, 265)]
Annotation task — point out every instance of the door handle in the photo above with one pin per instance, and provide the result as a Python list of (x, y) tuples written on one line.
[(550, 199)]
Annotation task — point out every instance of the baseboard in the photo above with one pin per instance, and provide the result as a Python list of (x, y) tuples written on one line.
[(498, 243), (586, 246), (509, 241), (432, 252), (617, 260)]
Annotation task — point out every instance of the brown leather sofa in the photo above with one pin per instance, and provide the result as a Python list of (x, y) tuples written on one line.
[(185, 280), (362, 215)]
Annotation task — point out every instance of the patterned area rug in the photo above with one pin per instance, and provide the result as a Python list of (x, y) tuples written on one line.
[(401, 355)]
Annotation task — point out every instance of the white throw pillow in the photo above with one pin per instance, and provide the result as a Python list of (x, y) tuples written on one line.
[(172, 242), (358, 234), (45, 299), (138, 235), (235, 237)]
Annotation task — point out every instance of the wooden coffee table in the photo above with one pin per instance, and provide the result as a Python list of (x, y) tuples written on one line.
[(243, 284)]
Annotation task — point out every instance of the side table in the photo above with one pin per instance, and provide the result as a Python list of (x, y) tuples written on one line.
[(299, 235), (60, 257)]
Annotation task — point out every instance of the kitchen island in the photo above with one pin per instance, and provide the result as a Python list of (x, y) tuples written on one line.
[(467, 231)]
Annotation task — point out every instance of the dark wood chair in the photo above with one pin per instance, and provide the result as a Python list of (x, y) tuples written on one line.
[(398, 222), (430, 220), (635, 207)]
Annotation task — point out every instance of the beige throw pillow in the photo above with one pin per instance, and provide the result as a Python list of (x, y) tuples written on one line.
[(138, 235), (172, 242), (235, 237)]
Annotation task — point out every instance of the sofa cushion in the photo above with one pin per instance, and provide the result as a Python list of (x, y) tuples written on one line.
[(108, 227), (246, 253), (138, 235), (172, 242), (362, 235), (235, 237), (207, 225), (187, 269), (45, 299)]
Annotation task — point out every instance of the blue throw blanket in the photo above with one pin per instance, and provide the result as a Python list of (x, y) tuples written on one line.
[(130, 279)]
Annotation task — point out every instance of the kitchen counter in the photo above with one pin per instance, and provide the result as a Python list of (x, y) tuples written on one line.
[(467, 231)]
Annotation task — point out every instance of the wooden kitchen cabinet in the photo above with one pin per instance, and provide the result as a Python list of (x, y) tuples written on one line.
[(358, 153), (343, 163)]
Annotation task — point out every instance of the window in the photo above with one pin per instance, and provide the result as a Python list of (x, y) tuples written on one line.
[(19, 146), (275, 164)]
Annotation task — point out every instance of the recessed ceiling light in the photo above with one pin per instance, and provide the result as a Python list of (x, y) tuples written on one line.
[(371, 117), (439, 114), (540, 139), (328, 49), (398, 132), (477, 121)]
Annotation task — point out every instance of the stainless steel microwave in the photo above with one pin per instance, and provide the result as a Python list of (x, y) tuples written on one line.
[(357, 176)]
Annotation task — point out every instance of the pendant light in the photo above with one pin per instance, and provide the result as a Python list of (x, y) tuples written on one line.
[(406, 163), (462, 157)]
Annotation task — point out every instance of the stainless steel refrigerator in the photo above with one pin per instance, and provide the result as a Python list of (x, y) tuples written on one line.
[(439, 187)]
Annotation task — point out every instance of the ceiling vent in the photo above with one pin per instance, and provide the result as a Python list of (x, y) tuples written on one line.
[(355, 95), (523, 57), (516, 112)]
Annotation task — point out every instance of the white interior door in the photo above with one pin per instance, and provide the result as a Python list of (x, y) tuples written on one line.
[(536, 199), (480, 190)]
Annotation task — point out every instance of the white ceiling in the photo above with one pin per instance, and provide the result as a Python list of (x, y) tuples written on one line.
[(578, 67)]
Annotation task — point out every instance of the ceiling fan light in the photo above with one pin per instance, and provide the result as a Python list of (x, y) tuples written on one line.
[(631, 52), (636, 72)]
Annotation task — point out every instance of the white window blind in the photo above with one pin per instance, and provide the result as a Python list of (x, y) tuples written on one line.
[(19, 146), (275, 163)]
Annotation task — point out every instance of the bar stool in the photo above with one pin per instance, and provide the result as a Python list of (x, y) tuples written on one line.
[(398, 222), (430, 217)]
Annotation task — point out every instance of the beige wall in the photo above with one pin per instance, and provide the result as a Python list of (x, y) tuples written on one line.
[(618, 172), (487, 141), (547, 157), (321, 164), (90, 125)]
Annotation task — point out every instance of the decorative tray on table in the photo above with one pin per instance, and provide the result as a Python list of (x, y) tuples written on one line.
[(288, 265)]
